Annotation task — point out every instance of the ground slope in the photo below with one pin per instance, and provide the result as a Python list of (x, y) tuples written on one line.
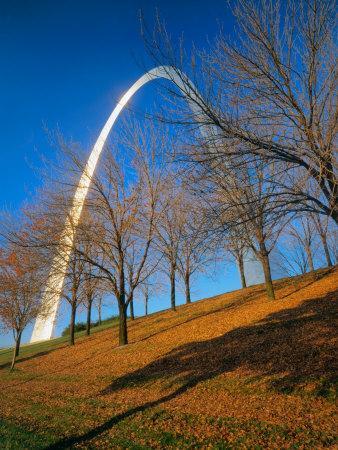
[(233, 371)]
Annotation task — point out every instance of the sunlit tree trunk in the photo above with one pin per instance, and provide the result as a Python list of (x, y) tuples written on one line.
[(309, 257), (264, 257)]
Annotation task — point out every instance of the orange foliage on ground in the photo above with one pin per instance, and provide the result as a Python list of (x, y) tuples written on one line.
[(237, 356)]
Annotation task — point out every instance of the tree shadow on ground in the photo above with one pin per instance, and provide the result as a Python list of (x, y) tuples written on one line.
[(294, 346)]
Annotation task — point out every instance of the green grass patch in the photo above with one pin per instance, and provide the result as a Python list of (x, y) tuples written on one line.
[(166, 429), (178, 430), (82, 326), (14, 437)]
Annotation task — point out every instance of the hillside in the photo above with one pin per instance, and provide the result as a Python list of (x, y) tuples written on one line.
[(38, 348), (232, 371)]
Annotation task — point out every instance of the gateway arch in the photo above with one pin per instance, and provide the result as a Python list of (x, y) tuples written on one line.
[(44, 324)]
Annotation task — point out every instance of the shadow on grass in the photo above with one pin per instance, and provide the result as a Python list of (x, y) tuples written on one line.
[(294, 346)]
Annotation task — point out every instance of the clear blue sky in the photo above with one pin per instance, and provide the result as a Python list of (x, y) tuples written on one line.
[(64, 64)]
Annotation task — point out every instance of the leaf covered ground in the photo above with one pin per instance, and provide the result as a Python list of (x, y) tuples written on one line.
[(233, 371)]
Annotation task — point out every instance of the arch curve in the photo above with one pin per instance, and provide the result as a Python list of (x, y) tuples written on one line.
[(43, 328)]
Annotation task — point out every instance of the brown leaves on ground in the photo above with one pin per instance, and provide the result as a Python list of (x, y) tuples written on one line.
[(264, 368)]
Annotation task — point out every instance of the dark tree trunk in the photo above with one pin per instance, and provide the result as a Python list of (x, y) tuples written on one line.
[(172, 287), (17, 344), (264, 257), (72, 325), (309, 258), (146, 298), (187, 287), (123, 332), (241, 270), (89, 316), (123, 305), (16, 350), (131, 306)]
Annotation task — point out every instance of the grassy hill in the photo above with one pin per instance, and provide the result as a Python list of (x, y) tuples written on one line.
[(40, 348), (232, 371)]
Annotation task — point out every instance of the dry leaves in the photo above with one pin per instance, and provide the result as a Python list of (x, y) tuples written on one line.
[(234, 368)]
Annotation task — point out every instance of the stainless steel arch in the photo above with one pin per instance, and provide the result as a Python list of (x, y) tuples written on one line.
[(44, 326)]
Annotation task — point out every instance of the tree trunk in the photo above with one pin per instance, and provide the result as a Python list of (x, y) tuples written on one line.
[(187, 287), (131, 305), (146, 298), (16, 350), (172, 287), (13, 359), (264, 257), (99, 310), (89, 314), (72, 325), (123, 305), (309, 257), (326, 250), (17, 344), (123, 332), (241, 270)]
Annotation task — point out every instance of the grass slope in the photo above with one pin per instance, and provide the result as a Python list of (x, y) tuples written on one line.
[(232, 371), (41, 348)]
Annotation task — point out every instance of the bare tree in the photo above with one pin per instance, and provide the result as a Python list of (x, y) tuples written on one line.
[(21, 281), (71, 291), (152, 286), (242, 204), (291, 257), (146, 294), (235, 244), (197, 247), (98, 302), (322, 224), (92, 288), (46, 223), (116, 241), (170, 231), (268, 92), (302, 240), (91, 293), (303, 231), (123, 201)]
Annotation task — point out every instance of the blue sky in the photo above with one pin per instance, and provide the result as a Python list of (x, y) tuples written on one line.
[(63, 65)]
